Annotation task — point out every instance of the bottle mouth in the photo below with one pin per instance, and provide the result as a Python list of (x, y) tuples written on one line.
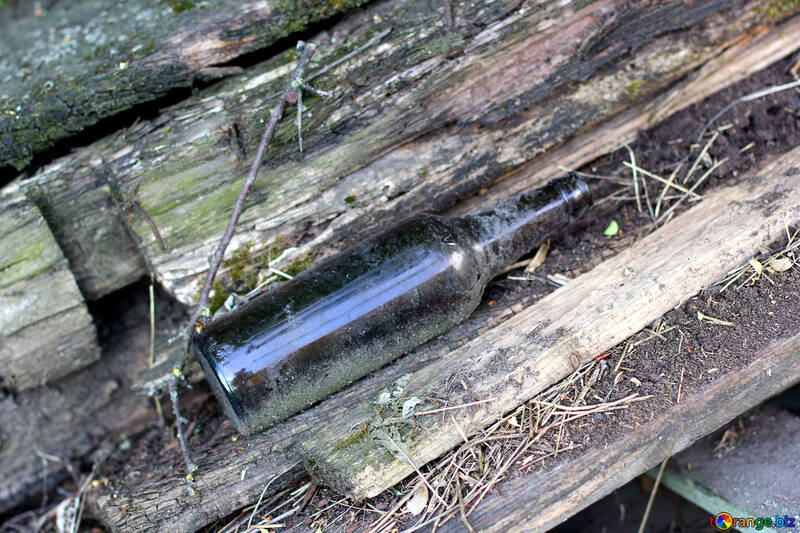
[(574, 191)]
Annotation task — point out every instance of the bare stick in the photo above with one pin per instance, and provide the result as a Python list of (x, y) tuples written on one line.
[(138, 208), (190, 466), (306, 51), (652, 497), (300, 119)]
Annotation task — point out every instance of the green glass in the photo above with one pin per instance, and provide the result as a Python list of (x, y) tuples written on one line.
[(304, 339)]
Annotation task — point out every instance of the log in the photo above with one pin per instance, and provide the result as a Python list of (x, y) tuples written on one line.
[(545, 342), (71, 65), (748, 470), (544, 499), (393, 141), (46, 330)]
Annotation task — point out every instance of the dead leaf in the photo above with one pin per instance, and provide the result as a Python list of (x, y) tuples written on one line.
[(780, 264), (418, 501)]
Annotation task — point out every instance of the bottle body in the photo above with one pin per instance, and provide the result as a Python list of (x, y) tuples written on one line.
[(312, 335), (301, 341)]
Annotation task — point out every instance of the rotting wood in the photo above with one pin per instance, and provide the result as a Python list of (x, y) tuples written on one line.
[(544, 499), (76, 202), (546, 341), (750, 52), (73, 64), (81, 417), (234, 471), (407, 130), (46, 331)]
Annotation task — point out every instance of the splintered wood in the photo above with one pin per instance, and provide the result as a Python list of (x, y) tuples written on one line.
[(545, 342)]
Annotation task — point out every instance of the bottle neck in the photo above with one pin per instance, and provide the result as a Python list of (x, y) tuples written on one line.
[(507, 230)]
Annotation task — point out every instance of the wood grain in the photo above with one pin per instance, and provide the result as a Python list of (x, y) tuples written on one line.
[(415, 123)]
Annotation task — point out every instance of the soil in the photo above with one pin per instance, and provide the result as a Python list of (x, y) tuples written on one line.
[(690, 355)]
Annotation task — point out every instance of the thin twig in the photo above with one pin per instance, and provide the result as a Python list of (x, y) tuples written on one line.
[(190, 466), (300, 119), (306, 51), (138, 208), (369, 44), (652, 497)]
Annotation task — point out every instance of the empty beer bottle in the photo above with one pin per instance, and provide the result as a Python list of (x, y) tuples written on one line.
[(306, 338)]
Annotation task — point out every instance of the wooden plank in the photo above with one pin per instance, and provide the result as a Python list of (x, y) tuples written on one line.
[(392, 141), (544, 499), (548, 340), (750, 470), (67, 66), (46, 331), (234, 469)]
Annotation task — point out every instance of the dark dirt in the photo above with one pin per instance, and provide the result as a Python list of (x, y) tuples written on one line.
[(761, 313)]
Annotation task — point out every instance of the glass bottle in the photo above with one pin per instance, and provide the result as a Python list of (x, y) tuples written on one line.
[(306, 338)]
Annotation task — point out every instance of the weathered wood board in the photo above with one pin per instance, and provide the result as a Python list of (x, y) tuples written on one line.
[(68, 65), (234, 471), (748, 470), (415, 123), (545, 342), (748, 53), (543, 500), (46, 331)]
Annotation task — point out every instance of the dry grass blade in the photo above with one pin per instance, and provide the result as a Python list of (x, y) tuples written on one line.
[(635, 176), (703, 153), (667, 185), (784, 259), (668, 182), (663, 218)]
